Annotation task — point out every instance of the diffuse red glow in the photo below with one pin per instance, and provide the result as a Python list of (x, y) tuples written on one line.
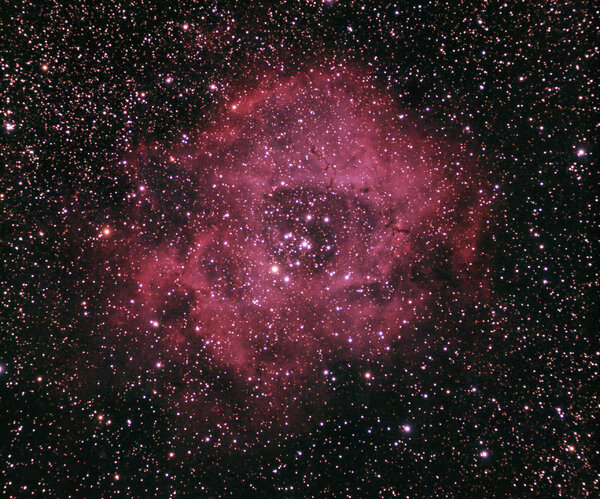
[(308, 222)]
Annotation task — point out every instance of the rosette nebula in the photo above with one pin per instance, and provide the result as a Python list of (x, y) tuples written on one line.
[(309, 223)]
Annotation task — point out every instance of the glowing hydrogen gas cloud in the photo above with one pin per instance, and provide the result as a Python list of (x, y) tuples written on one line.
[(309, 221)]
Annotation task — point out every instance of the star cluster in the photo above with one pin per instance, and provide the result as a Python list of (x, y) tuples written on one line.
[(304, 249)]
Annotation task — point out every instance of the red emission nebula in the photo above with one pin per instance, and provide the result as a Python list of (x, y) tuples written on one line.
[(309, 223)]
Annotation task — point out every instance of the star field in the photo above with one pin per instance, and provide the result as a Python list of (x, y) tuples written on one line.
[(303, 249)]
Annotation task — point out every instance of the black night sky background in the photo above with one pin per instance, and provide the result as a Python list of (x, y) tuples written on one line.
[(299, 249)]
